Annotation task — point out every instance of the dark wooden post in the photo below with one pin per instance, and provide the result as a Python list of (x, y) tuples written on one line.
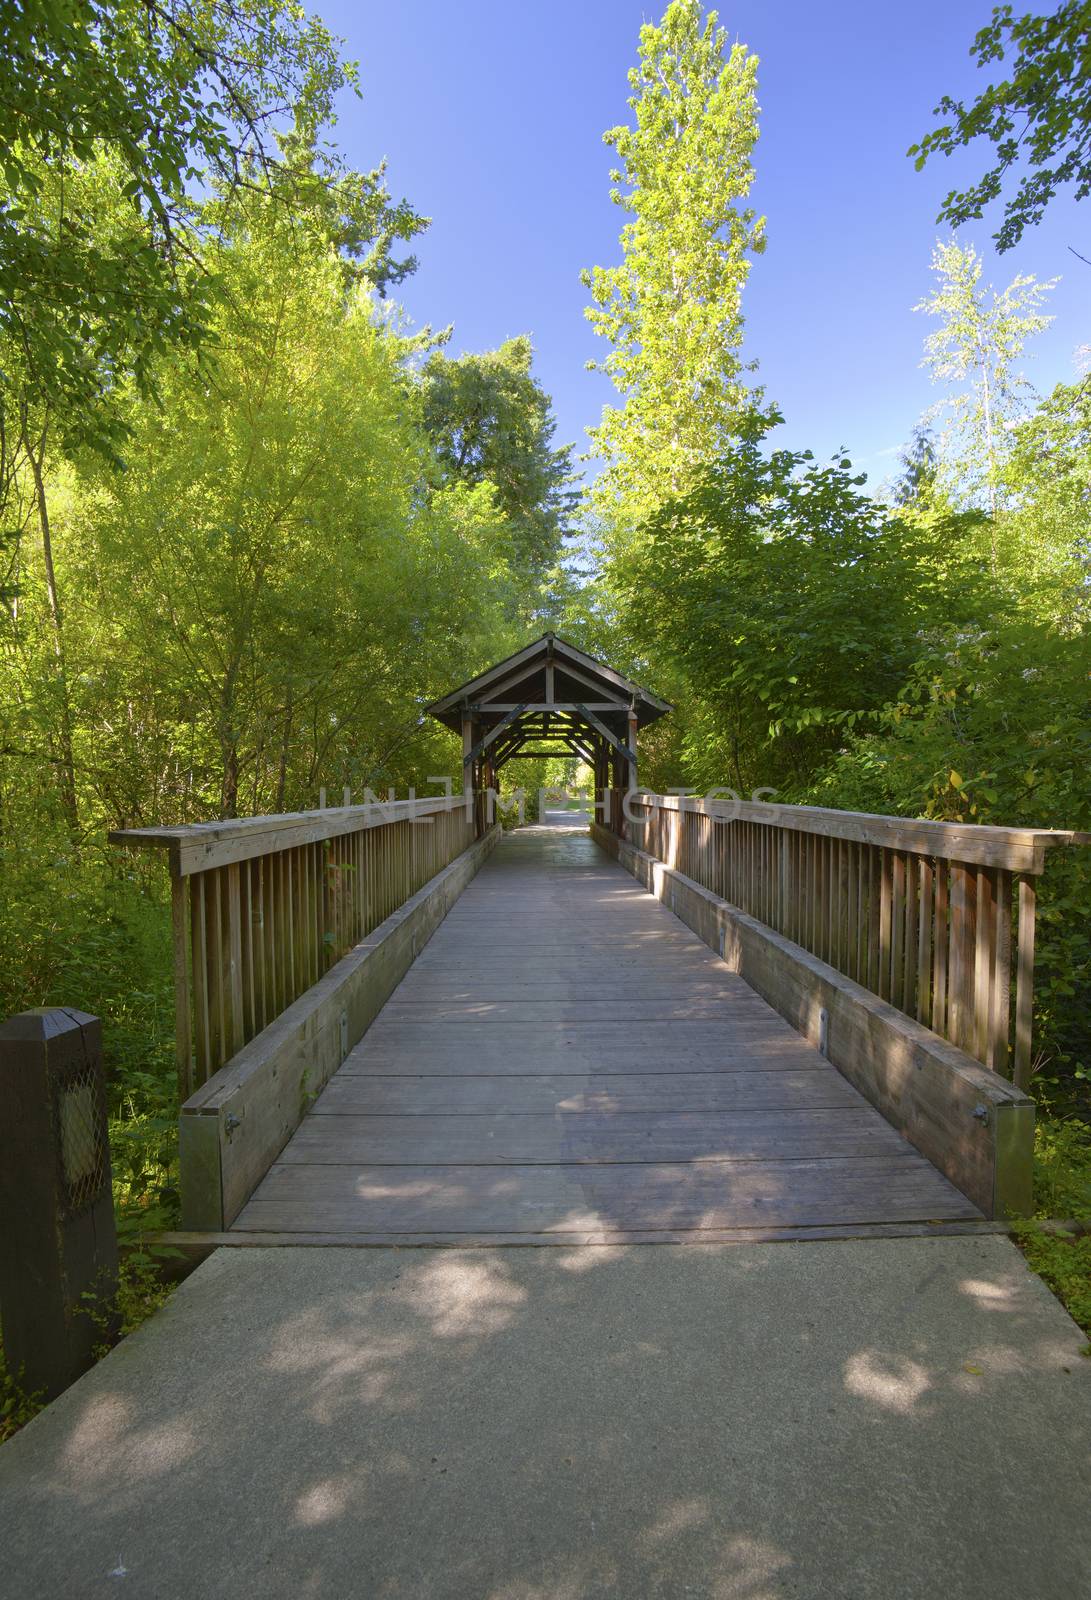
[(620, 769), (468, 765), (58, 1246)]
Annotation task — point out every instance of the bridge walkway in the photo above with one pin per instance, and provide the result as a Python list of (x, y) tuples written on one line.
[(566, 1062)]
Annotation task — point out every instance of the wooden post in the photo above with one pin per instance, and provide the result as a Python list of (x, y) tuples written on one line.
[(467, 765), (58, 1248)]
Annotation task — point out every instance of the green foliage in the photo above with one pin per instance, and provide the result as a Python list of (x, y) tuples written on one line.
[(94, 933), (491, 422), (1063, 1262), (917, 488), (17, 1407), (973, 354), (672, 309), (141, 1290), (114, 114), (1040, 116), (1062, 1192), (1062, 1169), (768, 588)]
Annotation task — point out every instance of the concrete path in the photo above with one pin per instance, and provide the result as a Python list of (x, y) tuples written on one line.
[(865, 1420)]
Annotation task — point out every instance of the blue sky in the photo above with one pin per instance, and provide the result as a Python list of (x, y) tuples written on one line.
[(491, 113)]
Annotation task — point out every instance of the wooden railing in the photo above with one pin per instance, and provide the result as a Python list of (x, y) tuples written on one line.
[(937, 918), (262, 907)]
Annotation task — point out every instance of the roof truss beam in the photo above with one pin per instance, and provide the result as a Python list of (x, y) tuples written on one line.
[(493, 733)]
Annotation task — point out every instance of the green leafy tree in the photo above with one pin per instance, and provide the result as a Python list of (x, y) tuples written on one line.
[(490, 421), (355, 209), (973, 354), (1040, 116), (769, 589), (1050, 471), (174, 97), (672, 309)]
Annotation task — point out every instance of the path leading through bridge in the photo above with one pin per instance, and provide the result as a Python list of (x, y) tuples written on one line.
[(567, 1062)]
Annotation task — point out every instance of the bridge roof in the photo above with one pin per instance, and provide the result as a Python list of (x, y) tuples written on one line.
[(549, 672)]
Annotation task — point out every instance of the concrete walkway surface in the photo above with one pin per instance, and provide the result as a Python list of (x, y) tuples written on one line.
[(858, 1420)]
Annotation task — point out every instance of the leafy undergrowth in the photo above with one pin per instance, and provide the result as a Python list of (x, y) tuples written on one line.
[(16, 1406), (1062, 1190)]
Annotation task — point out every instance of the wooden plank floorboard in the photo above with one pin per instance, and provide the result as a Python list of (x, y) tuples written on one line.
[(565, 1061), (477, 1094), (654, 1136), (620, 1197)]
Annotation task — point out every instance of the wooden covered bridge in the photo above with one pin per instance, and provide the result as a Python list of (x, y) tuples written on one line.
[(688, 1020)]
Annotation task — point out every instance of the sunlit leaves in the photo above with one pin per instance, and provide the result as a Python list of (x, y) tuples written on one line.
[(671, 311), (1038, 118)]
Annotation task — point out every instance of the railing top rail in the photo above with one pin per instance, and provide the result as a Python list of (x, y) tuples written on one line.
[(978, 844), (199, 846)]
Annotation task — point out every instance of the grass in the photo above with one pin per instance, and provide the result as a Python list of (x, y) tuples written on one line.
[(1062, 1191)]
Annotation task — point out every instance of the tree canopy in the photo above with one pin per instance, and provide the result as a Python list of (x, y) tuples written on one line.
[(672, 309), (490, 421)]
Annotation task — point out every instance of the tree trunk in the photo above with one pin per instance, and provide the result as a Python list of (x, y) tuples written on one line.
[(66, 765), (285, 746), (991, 449), (229, 745)]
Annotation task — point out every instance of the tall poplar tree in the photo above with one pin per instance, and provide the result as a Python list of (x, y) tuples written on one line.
[(672, 309)]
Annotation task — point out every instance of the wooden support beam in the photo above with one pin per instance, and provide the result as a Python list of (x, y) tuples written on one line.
[(508, 752), (490, 707), (482, 744), (537, 755), (604, 733)]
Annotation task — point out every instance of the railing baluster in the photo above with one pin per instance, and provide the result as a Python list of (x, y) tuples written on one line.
[(236, 1031), (183, 1000), (199, 968), (1000, 1007), (924, 942), (984, 962), (942, 945), (912, 915), (897, 929), (1024, 983)]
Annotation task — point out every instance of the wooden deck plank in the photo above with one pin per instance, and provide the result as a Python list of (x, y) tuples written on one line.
[(566, 1061), (375, 1094), (520, 1058), (624, 1196), (560, 1013), (654, 1136)]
